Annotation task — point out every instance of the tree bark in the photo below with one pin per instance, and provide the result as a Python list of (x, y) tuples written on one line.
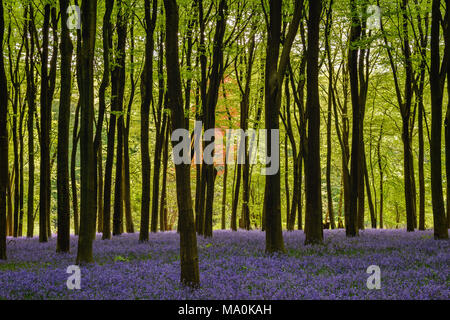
[(188, 238), (163, 204), (159, 138), (146, 99), (217, 69), (44, 189), (355, 32), (88, 199), (313, 222), (118, 88), (107, 45), (66, 47), (3, 141), (31, 101), (329, 114), (437, 77)]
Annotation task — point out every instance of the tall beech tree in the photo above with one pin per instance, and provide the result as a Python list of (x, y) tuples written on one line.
[(405, 102), (244, 88), (44, 190), (438, 72), (88, 199), (313, 218), (16, 114), (75, 139), (146, 99), (30, 65), (3, 139), (66, 47), (105, 227), (107, 45), (209, 112), (329, 112), (276, 67), (117, 90), (422, 31), (217, 69), (188, 238), (160, 118), (351, 227)]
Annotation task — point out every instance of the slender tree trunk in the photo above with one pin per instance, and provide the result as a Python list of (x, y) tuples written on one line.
[(126, 151), (44, 189), (224, 194), (276, 67), (31, 101), (447, 141), (201, 170), (3, 140), (313, 223), (373, 220), (286, 179), (211, 103), (188, 238), (118, 87), (75, 138), (126, 174), (9, 218), (63, 240), (329, 114), (380, 167), (159, 136), (146, 99), (352, 225), (436, 84), (73, 163), (21, 169), (421, 169), (107, 45), (88, 199), (99, 189), (341, 196), (163, 204), (272, 210)]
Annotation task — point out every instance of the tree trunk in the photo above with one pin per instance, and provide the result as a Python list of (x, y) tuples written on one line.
[(3, 141), (9, 217), (372, 210), (329, 111), (380, 167), (88, 199), (286, 179), (276, 67), (224, 194), (163, 204), (31, 101), (107, 45), (126, 152), (188, 238), (447, 143), (63, 240), (146, 99), (313, 222), (73, 162), (118, 87), (352, 225), (217, 69), (436, 84), (44, 189)]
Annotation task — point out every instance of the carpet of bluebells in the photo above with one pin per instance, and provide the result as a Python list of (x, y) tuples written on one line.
[(233, 265)]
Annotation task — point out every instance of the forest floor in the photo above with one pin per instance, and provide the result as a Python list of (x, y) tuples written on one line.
[(233, 265)]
